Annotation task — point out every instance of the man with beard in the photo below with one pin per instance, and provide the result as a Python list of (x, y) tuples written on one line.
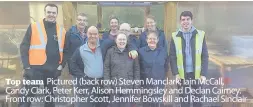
[(43, 53), (189, 57), (87, 63)]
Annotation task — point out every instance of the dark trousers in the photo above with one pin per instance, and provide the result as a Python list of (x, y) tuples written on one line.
[(153, 104), (160, 95), (89, 102), (103, 104), (119, 104), (37, 74), (189, 76)]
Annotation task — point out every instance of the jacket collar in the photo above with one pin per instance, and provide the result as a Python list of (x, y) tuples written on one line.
[(180, 33), (148, 49), (158, 31), (191, 30), (48, 24), (86, 47), (75, 30), (116, 49)]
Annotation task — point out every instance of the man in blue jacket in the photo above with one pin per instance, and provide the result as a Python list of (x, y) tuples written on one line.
[(82, 65), (76, 36)]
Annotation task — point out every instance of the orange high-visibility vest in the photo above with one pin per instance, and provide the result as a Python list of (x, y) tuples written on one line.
[(37, 51)]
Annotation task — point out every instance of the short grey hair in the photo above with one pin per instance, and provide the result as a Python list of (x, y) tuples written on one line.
[(82, 14)]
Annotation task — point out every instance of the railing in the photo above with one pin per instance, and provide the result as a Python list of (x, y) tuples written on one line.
[(9, 63)]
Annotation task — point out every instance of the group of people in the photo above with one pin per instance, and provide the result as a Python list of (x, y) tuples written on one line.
[(47, 48)]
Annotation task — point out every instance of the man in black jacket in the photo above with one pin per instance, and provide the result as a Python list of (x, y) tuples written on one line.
[(43, 54), (189, 58)]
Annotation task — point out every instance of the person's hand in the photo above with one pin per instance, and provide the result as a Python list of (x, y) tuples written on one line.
[(59, 67), (28, 73), (202, 78), (58, 71), (133, 54), (178, 79)]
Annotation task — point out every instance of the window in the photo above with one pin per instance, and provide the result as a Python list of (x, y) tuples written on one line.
[(158, 12), (132, 15), (14, 13), (91, 11)]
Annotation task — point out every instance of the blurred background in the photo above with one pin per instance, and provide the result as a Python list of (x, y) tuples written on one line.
[(228, 26)]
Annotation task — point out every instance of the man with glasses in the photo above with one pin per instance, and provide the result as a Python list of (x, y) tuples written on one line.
[(76, 36)]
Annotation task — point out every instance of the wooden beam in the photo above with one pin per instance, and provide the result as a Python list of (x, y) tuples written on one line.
[(170, 18), (147, 12), (75, 12), (99, 15), (69, 13), (200, 15)]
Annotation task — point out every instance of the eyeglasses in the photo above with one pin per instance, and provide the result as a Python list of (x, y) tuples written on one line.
[(153, 39), (49, 12)]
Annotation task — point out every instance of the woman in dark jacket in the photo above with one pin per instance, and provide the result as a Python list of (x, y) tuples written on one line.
[(153, 64), (118, 66), (151, 26), (114, 28)]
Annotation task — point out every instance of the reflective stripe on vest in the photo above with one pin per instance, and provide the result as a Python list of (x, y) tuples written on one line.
[(37, 51), (179, 53)]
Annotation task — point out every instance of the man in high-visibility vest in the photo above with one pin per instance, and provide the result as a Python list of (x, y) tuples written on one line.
[(43, 54), (188, 57)]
